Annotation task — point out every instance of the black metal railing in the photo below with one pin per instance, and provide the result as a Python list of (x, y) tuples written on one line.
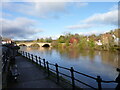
[(46, 65), (5, 61)]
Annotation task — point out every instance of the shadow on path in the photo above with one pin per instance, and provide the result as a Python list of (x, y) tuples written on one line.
[(31, 76)]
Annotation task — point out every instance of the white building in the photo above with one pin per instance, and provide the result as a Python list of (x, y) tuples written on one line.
[(98, 42)]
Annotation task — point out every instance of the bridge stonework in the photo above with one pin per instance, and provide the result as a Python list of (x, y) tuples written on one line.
[(30, 43)]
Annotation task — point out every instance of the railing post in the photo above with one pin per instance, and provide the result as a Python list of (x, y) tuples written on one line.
[(23, 53), (40, 61), (72, 77), (99, 82), (44, 63), (48, 68), (57, 72), (117, 80), (36, 59), (26, 54), (32, 56), (29, 55)]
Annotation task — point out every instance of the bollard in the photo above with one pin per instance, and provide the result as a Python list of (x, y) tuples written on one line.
[(72, 77), (57, 72)]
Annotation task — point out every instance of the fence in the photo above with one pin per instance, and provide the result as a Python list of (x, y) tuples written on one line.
[(46, 65), (5, 62)]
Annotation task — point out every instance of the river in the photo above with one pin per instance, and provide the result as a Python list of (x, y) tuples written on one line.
[(102, 63)]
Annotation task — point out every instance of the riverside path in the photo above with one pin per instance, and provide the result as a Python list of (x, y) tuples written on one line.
[(31, 76)]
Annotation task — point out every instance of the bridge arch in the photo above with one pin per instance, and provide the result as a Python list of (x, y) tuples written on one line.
[(23, 45), (34, 45), (46, 45)]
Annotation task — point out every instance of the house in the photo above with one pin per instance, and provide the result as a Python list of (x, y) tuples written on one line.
[(74, 40), (106, 38), (98, 42), (116, 40)]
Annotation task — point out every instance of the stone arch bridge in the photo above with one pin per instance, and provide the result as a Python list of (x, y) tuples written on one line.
[(31, 43)]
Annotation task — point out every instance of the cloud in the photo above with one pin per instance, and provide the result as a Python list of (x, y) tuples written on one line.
[(96, 32), (109, 18), (80, 26), (18, 28), (115, 7), (98, 20), (61, 1), (41, 9)]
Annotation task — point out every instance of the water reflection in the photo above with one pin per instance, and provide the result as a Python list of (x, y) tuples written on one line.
[(104, 57)]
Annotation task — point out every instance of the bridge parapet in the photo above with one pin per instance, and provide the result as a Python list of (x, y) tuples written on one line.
[(31, 43)]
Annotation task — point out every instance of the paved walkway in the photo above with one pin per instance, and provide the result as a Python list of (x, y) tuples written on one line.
[(31, 76)]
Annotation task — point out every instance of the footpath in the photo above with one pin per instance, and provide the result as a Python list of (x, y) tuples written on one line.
[(31, 76)]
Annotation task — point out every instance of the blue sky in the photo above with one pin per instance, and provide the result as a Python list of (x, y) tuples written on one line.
[(32, 20)]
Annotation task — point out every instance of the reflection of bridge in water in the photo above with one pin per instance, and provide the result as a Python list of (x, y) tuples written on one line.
[(33, 43)]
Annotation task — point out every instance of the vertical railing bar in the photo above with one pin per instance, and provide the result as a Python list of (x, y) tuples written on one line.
[(48, 68), (29, 55), (32, 57), (99, 82), (36, 60), (44, 63), (23, 53), (26, 54), (40, 61), (57, 72), (72, 77)]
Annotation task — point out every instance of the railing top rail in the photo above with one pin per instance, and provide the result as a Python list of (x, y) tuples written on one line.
[(108, 81), (85, 75), (63, 67), (51, 64), (85, 84), (65, 75)]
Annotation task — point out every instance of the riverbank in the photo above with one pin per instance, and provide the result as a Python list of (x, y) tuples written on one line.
[(77, 46)]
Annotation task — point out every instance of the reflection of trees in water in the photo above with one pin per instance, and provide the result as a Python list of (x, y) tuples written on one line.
[(106, 57), (110, 58), (91, 55), (69, 52), (76, 53), (41, 49)]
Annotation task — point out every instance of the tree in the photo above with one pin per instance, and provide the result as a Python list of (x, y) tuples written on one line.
[(49, 40), (61, 39)]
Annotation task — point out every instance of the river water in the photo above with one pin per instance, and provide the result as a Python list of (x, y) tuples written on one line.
[(93, 63)]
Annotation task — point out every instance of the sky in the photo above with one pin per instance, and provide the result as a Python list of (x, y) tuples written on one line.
[(32, 20)]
